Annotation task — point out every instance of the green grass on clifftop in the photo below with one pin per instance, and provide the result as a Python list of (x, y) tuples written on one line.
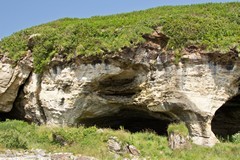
[(211, 26)]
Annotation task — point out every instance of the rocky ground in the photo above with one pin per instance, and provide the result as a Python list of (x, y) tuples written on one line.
[(40, 155), (114, 145)]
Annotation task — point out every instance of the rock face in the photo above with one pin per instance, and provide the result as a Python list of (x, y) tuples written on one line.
[(146, 78), (178, 141), (11, 78)]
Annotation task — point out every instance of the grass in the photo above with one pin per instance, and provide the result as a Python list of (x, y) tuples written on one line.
[(93, 142), (179, 128), (212, 26)]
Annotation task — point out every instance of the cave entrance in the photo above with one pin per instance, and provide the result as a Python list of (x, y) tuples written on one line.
[(3, 116), (14, 114), (7, 115), (132, 120), (226, 120)]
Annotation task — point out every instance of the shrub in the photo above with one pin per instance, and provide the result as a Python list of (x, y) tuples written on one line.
[(13, 139), (90, 141), (179, 128), (236, 138), (214, 27)]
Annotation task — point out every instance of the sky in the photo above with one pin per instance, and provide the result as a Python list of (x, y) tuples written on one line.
[(16, 15)]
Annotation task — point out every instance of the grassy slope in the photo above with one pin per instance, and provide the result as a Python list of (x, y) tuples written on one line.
[(212, 26), (93, 142)]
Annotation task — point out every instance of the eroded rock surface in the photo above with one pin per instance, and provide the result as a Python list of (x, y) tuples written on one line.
[(146, 78), (12, 76), (178, 141)]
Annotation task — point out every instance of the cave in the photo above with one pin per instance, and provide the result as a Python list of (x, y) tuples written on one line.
[(13, 114), (226, 120), (3, 116), (131, 120), (16, 113)]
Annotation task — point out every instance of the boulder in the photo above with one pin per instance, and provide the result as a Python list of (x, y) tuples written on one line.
[(114, 145), (178, 141)]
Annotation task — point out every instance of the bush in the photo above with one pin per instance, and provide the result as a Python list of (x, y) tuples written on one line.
[(93, 142), (214, 27), (179, 128), (13, 139), (236, 138)]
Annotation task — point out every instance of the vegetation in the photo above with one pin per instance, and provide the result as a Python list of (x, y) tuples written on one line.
[(93, 142), (179, 128), (236, 138), (211, 26)]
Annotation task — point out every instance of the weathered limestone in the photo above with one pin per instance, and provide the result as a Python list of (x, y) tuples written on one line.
[(178, 141), (148, 79), (11, 78)]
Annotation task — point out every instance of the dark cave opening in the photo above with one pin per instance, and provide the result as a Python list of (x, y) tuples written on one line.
[(132, 121), (16, 113), (226, 120), (3, 116), (8, 115)]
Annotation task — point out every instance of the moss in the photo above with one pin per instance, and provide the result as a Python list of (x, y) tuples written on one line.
[(213, 26)]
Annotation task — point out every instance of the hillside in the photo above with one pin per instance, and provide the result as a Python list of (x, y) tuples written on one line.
[(94, 142), (212, 27), (116, 86)]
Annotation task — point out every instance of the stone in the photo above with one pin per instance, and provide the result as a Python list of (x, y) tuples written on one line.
[(145, 78), (40, 154), (114, 145), (62, 156), (133, 150), (11, 78), (60, 139), (178, 141), (85, 158)]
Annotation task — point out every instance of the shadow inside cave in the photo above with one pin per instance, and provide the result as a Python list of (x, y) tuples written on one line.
[(5, 115), (14, 114), (2, 117), (226, 121), (132, 121)]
